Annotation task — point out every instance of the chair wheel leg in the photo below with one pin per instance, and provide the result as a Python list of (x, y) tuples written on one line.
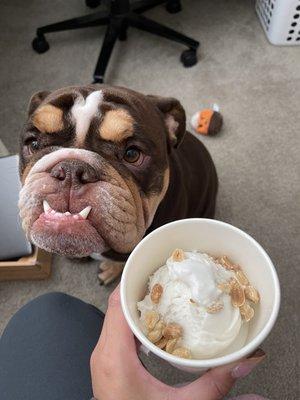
[(40, 44), (173, 6), (92, 3), (123, 35), (98, 80), (189, 57)]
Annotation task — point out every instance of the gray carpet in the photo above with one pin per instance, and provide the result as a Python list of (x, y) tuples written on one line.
[(257, 87)]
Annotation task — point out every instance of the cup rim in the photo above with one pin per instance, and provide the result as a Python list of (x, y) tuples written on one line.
[(212, 362)]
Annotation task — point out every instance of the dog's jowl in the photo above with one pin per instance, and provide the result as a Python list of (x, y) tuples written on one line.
[(101, 166)]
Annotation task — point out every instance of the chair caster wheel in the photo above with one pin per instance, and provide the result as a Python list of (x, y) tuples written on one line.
[(92, 3), (189, 58), (173, 6), (40, 44)]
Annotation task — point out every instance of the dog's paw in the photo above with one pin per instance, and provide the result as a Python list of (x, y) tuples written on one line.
[(110, 270)]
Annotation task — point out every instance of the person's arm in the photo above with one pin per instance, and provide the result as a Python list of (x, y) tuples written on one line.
[(117, 372)]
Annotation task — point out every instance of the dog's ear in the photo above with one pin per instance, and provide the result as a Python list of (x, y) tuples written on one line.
[(36, 100), (174, 117)]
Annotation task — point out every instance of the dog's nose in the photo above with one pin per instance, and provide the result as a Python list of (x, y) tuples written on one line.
[(75, 171)]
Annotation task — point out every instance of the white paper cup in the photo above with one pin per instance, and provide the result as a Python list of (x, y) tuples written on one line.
[(216, 238)]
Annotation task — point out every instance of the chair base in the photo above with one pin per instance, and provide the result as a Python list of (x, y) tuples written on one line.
[(118, 19)]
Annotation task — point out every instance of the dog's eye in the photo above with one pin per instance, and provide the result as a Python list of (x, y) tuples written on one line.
[(32, 145), (132, 155)]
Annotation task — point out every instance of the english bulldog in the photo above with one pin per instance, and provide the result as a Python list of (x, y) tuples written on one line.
[(102, 166)]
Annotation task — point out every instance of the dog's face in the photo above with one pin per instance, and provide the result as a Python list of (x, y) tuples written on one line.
[(94, 167)]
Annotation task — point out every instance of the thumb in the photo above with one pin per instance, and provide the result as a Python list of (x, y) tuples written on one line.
[(116, 339), (217, 382)]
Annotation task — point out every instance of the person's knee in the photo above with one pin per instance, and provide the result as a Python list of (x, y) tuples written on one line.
[(43, 308), (54, 315), (62, 306), (53, 298), (48, 303), (55, 301)]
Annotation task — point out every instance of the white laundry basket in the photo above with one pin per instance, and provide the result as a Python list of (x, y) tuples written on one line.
[(280, 20)]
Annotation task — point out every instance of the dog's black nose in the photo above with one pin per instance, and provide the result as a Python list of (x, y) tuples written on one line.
[(75, 171)]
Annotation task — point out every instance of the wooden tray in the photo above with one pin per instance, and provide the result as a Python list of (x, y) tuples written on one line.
[(35, 266)]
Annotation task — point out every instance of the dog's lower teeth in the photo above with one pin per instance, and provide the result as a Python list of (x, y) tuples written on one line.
[(83, 214)]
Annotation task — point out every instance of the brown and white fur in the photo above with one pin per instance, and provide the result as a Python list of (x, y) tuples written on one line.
[(101, 166)]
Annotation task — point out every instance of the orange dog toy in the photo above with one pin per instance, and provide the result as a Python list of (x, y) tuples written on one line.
[(208, 121)]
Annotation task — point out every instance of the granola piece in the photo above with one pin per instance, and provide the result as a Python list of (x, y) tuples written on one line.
[(156, 293), (182, 352)]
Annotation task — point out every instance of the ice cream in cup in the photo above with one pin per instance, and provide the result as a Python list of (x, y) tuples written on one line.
[(200, 293)]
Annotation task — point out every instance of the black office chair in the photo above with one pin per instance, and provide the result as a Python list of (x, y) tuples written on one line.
[(118, 18)]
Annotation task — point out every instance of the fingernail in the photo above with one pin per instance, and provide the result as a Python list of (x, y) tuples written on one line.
[(256, 354), (245, 367)]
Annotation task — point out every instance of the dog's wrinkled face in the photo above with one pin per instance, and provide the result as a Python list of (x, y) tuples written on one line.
[(94, 167)]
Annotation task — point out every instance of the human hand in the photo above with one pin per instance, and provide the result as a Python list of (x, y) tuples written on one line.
[(117, 372)]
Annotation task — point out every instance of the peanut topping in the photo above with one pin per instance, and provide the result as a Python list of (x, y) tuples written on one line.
[(237, 295), (171, 344), (160, 325), (172, 331), (156, 293), (226, 286), (238, 287), (252, 294), (247, 312), (161, 343), (182, 352), (178, 255), (155, 335), (215, 307), (227, 264), (242, 278), (151, 320)]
